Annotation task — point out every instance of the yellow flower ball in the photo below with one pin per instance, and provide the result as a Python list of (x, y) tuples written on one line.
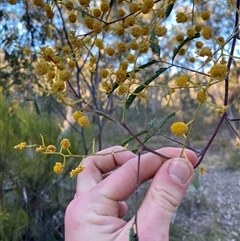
[(84, 3), (99, 43), (219, 71), (64, 75), (160, 31), (42, 67), (50, 148), (133, 7), (77, 114), (133, 45), (121, 75), (121, 47), (38, 3), (97, 28), (207, 32), (180, 37), (136, 31), (47, 7), (72, 18), (201, 96), (179, 128), (182, 52), (104, 73), (198, 28), (121, 12), (182, 81), (69, 5), (49, 14), (110, 51), (97, 12), (65, 143), (12, 2), (105, 6), (205, 15), (190, 32), (129, 21), (89, 23), (199, 44), (66, 50), (58, 168), (83, 121), (181, 17), (205, 51), (107, 87), (71, 64), (143, 48), (145, 30)]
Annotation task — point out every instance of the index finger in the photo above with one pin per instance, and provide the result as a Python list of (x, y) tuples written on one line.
[(102, 162)]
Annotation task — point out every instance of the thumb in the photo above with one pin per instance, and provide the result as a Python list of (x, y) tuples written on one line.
[(163, 198)]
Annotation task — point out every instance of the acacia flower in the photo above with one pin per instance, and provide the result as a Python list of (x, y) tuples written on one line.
[(83, 121), (182, 81), (76, 171), (65, 143), (58, 168), (219, 71), (20, 146), (51, 148), (238, 144), (77, 114), (40, 149), (207, 32), (202, 170), (181, 17), (201, 96), (179, 128)]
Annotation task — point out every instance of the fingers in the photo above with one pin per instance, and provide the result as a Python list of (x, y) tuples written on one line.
[(122, 183), (163, 198), (98, 167)]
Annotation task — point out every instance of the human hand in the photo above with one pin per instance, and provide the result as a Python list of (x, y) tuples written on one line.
[(97, 209)]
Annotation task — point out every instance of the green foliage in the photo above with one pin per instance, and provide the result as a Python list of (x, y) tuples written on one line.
[(154, 43), (140, 88), (32, 203)]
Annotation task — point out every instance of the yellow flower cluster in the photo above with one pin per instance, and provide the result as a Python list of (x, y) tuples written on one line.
[(65, 143), (207, 32), (50, 148), (201, 96), (82, 120), (20, 146), (218, 71), (77, 170), (181, 17), (202, 170), (58, 168), (179, 128), (182, 81)]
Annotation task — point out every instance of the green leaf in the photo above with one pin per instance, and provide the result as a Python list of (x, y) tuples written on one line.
[(36, 107), (176, 50), (169, 9), (116, 84), (131, 234), (165, 119), (152, 123), (130, 138), (140, 88), (154, 43)]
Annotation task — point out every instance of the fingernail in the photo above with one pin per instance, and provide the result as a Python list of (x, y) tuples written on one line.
[(179, 171)]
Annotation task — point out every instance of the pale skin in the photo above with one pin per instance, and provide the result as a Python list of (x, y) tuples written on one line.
[(97, 209)]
